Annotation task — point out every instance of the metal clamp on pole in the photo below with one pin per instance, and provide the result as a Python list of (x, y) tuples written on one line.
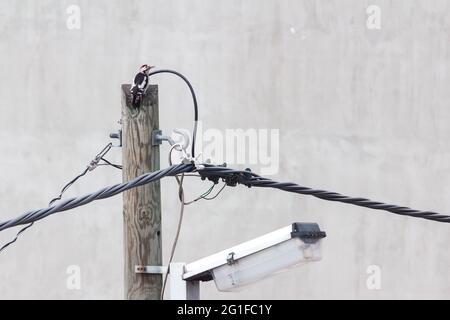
[(180, 289), (158, 138), (150, 269), (118, 136)]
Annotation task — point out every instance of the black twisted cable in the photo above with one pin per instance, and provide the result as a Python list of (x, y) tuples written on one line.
[(250, 179), (231, 177), (104, 193)]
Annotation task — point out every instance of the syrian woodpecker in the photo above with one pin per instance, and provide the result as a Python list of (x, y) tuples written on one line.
[(140, 84)]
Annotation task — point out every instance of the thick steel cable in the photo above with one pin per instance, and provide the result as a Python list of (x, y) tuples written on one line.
[(253, 180), (104, 193), (194, 99)]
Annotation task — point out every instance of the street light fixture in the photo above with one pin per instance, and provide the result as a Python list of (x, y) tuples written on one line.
[(245, 263), (259, 258)]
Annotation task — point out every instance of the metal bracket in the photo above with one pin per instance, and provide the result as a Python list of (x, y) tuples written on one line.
[(230, 258), (117, 135), (179, 289), (150, 269), (158, 138)]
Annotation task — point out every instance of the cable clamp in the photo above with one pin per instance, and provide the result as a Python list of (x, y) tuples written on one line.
[(93, 164), (188, 159)]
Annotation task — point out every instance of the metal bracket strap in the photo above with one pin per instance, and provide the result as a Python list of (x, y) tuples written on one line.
[(150, 269)]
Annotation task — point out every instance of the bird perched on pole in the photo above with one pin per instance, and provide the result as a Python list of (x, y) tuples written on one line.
[(140, 84)]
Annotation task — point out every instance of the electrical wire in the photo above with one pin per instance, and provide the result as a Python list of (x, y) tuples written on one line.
[(16, 237), (178, 147), (183, 203), (194, 99), (177, 233), (202, 196), (250, 179), (90, 167), (215, 196), (108, 163), (103, 193), (67, 186), (64, 189), (191, 175), (231, 177), (179, 180)]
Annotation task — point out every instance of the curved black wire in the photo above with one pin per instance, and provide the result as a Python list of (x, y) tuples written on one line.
[(16, 237), (109, 163), (194, 98), (64, 189)]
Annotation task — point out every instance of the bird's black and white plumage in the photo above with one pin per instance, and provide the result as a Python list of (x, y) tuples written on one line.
[(140, 84)]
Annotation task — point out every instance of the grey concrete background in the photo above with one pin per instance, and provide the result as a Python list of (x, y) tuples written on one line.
[(363, 112)]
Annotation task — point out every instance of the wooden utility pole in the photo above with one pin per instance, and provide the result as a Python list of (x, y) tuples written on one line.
[(141, 205)]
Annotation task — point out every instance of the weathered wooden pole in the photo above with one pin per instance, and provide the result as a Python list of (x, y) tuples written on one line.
[(141, 205)]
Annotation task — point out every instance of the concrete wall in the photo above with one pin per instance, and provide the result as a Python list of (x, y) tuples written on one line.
[(363, 112)]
